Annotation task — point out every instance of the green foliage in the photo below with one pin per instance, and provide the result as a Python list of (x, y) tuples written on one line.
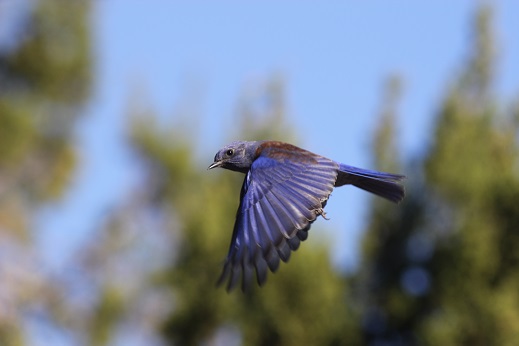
[(44, 80), (53, 57), (305, 303), (107, 313), (457, 227), (439, 269)]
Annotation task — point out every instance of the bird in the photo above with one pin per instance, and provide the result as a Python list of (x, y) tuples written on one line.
[(284, 191)]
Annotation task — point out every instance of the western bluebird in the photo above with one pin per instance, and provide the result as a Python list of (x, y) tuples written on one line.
[(284, 191)]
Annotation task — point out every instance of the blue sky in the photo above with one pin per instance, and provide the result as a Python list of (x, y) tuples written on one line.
[(334, 57)]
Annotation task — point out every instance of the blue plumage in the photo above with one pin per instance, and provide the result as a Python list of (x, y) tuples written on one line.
[(284, 191), (386, 185)]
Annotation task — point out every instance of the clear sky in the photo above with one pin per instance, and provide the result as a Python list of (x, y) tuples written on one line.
[(334, 57)]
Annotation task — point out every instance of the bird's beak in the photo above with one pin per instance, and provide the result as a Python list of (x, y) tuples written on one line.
[(215, 164)]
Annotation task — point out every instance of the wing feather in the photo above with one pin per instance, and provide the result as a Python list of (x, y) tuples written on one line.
[(280, 200)]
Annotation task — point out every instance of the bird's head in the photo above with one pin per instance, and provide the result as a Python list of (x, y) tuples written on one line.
[(237, 156)]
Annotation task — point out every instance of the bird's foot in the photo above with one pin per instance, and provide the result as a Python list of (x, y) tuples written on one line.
[(321, 212)]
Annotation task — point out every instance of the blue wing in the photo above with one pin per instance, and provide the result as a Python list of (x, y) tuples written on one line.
[(280, 198)]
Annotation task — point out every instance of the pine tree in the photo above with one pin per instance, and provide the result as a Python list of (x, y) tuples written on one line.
[(442, 271)]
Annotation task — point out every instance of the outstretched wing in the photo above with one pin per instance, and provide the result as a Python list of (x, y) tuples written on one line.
[(282, 194)]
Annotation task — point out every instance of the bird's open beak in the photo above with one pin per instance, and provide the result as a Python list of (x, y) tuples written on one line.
[(215, 164)]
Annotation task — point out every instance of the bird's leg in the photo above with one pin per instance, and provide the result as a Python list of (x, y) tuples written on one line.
[(321, 212)]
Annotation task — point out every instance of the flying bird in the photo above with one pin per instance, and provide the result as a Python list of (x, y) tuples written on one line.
[(285, 189)]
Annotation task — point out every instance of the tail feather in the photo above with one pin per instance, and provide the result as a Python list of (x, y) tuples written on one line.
[(386, 185)]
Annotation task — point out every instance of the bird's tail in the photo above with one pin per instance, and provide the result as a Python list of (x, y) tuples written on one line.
[(386, 185)]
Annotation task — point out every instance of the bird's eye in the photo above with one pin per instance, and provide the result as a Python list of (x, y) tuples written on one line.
[(229, 152)]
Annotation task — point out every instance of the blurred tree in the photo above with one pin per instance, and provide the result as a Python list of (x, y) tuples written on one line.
[(390, 303), (44, 80), (194, 210), (473, 169), (443, 269), (293, 308)]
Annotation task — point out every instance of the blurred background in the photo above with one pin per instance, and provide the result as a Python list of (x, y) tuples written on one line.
[(112, 231)]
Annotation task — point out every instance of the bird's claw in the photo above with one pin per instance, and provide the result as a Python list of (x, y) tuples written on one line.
[(321, 212)]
